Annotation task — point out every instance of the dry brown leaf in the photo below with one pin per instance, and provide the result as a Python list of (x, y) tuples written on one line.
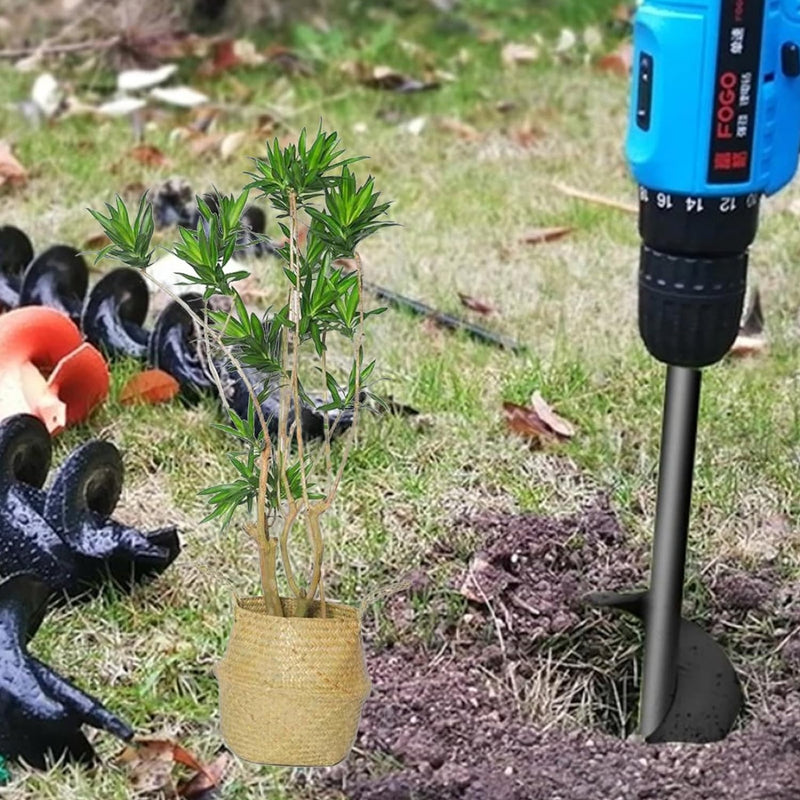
[(557, 424), (209, 778), (205, 143), (620, 61), (542, 235), (96, 242), (745, 346), (623, 13), (751, 340), (231, 143), (526, 135), (489, 36), (484, 581), (149, 155), (514, 53), (390, 80), (151, 761), (461, 129), (224, 58), (12, 173), (288, 60), (149, 387), (527, 423), (479, 306)]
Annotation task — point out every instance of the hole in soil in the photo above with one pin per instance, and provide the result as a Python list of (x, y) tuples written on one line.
[(512, 698)]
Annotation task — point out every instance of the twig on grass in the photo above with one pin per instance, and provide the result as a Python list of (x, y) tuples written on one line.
[(60, 49), (598, 199)]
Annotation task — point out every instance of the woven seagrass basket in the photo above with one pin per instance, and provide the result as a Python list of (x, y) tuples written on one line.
[(292, 688)]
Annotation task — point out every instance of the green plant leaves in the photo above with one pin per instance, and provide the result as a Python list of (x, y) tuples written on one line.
[(130, 241), (323, 297)]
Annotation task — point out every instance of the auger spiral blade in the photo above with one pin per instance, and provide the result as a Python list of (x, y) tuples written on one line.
[(690, 692), (707, 696)]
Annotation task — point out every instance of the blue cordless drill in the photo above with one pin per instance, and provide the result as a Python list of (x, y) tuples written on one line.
[(714, 125)]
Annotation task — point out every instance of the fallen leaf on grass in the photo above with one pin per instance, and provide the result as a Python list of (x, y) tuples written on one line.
[(543, 235), (121, 107), (526, 422), (556, 423), (473, 304), (619, 61), (223, 59), (181, 96), (526, 135), (514, 53), (751, 339), (96, 242), (459, 128), (287, 60), (11, 171), (231, 143), (623, 13), (149, 155), (538, 423), (134, 79), (390, 80), (202, 782), (484, 581), (151, 761), (566, 41), (150, 387)]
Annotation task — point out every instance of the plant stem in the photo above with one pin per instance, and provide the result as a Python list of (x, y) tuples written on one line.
[(267, 547), (323, 505), (311, 519), (267, 551)]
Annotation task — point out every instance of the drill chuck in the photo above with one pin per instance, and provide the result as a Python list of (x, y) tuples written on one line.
[(693, 274), (690, 308)]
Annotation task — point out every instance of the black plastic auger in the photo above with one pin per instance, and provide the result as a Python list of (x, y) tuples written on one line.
[(41, 713), (114, 314), (174, 348), (57, 278), (65, 535), (16, 252)]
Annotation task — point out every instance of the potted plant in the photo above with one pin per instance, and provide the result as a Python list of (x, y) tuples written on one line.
[(293, 679)]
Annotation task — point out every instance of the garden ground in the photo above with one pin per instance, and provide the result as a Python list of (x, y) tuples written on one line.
[(508, 703)]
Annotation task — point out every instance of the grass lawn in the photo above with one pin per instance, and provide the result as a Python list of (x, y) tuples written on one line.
[(464, 203)]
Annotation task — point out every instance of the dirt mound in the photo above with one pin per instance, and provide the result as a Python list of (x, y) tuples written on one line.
[(453, 718)]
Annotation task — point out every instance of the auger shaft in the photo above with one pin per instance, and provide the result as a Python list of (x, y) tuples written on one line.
[(663, 620)]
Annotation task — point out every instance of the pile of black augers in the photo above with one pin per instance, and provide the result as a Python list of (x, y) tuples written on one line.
[(59, 544), (112, 314)]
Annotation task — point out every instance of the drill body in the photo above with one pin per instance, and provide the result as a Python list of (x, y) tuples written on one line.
[(714, 125)]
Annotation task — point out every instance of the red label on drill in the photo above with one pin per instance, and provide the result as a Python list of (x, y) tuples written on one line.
[(735, 91)]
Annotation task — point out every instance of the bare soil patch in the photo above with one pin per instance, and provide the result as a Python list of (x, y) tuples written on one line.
[(450, 721)]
